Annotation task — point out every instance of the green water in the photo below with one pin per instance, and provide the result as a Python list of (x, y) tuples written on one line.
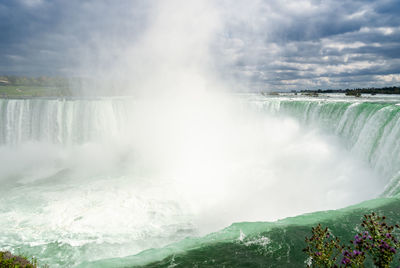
[(281, 245), (371, 130), (262, 244), (76, 231)]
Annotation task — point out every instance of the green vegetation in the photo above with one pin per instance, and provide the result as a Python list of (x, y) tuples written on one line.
[(8, 260), (34, 81), (322, 248), (32, 91), (354, 92), (17, 87), (376, 242)]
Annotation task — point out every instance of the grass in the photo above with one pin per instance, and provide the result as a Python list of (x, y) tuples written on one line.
[(12, 91)]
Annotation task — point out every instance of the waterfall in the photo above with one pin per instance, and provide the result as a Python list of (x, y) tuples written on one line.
[(60, 121), (371, 130), (110, 177)]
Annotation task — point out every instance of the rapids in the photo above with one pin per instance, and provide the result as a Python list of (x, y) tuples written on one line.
[(91, 179)]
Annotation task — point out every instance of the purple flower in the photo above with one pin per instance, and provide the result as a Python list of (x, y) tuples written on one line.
[(345, 261), (385, 245)]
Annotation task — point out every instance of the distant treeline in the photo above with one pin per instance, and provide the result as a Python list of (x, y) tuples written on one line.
[(44, 81), (357, 91)]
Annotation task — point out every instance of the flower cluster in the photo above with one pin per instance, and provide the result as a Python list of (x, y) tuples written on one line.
[(353, 258), (323, 249), (377, 241)]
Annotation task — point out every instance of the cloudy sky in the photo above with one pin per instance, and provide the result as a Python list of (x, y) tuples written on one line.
[(261, 44)]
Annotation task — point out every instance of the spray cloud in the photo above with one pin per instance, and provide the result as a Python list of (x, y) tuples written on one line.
[(179, 155)]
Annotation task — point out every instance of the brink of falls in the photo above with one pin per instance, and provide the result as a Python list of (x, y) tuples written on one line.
[(97, 182)]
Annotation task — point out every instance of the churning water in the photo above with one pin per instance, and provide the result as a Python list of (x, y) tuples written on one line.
[(89, 179)]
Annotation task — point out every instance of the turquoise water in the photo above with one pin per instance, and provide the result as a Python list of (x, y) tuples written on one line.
[(258, 244), (369, 127), (78, 192)]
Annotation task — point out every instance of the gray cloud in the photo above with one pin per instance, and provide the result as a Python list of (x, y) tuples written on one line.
[(311, 44), (262, 44)]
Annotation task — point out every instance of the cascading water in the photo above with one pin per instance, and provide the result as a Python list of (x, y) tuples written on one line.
[(368, 128), (91, 179), (60, 121)]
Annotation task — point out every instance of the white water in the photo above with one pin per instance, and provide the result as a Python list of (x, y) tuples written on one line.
[(89, 179), (369, 127)]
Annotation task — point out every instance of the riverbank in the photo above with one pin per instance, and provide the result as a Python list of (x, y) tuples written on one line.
[(15, 91), (8, 260)]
